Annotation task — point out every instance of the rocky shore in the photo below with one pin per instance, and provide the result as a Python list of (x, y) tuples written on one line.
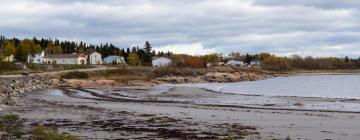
[(215, 77), (206, 78), (11, 88)]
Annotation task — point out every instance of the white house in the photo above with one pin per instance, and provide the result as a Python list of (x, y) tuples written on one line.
[(114, 59), (235, 63), (255, 62), (66, 59), (161, 61), (95, 58), (36, 58), (9, 58)]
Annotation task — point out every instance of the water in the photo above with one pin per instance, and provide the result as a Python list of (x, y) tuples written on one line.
[(334, 92), (326, 86)]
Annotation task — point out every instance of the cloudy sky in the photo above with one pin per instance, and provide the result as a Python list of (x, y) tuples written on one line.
[(282, 27)]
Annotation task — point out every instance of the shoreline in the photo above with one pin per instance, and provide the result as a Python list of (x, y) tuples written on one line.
[(102, 115), (99, 112)]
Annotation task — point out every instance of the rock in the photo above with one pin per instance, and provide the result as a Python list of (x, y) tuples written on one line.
[(10, 89), (214, 77), (300, 104)]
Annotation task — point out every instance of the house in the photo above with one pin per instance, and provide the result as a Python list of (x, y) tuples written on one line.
[(114, 59), (9, 58), (161, 61), (255, 62), (235, 63), (95, 58), (37, 58), (66, 59)]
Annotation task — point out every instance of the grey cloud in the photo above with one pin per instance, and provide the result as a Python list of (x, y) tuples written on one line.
[(277, 26)]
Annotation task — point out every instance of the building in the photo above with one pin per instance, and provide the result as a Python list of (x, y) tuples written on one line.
[(37, 58), (66, 59), (114, 59), (255, 62), (95, 58), (9, 58), (161, 61), (235, 63)]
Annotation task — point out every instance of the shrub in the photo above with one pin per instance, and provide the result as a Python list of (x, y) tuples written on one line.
[(47, 133), (75, 75)]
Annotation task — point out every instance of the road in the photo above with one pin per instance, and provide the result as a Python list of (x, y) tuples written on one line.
[(98, 67)]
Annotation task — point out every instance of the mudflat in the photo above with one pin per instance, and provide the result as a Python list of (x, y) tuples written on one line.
[(142, 113)]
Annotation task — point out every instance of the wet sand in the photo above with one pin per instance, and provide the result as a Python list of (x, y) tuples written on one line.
[(170, 115)]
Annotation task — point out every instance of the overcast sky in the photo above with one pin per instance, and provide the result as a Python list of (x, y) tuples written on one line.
[(282, 27)]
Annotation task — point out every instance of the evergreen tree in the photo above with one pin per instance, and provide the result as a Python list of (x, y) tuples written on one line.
[(147, 54)]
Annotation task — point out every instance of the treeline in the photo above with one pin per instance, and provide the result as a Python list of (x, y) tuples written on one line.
[(21, 48), (272, 62)]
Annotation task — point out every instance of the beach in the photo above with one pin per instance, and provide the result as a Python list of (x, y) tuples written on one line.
[(145, 112)]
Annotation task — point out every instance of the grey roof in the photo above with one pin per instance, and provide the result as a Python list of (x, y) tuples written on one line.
[(63, 56)]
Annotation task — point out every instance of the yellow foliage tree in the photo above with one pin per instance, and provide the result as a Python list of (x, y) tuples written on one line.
[(9, 49), (134, 59)]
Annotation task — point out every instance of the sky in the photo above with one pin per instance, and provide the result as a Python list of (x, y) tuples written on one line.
[(283, 27)]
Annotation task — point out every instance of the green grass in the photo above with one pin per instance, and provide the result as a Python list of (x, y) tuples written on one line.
[(48, 133)]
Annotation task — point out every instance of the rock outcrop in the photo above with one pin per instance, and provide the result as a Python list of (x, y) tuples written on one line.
[(12, 88), (216, 77)]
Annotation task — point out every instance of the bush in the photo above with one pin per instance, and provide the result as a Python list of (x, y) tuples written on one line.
[(47, 133), (75, 75)]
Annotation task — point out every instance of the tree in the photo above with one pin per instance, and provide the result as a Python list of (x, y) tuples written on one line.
[(276, 63), (53, 49), (9, 49), (212, 57), (147, 58), (248, 58), (235, 56), (347, 60), (24, 49), (134, 59), (263, 56)]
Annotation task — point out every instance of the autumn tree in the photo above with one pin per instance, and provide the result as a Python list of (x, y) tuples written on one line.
[(212, 57), (276, 63), (53, 49), (134, 59), (9, 49)]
